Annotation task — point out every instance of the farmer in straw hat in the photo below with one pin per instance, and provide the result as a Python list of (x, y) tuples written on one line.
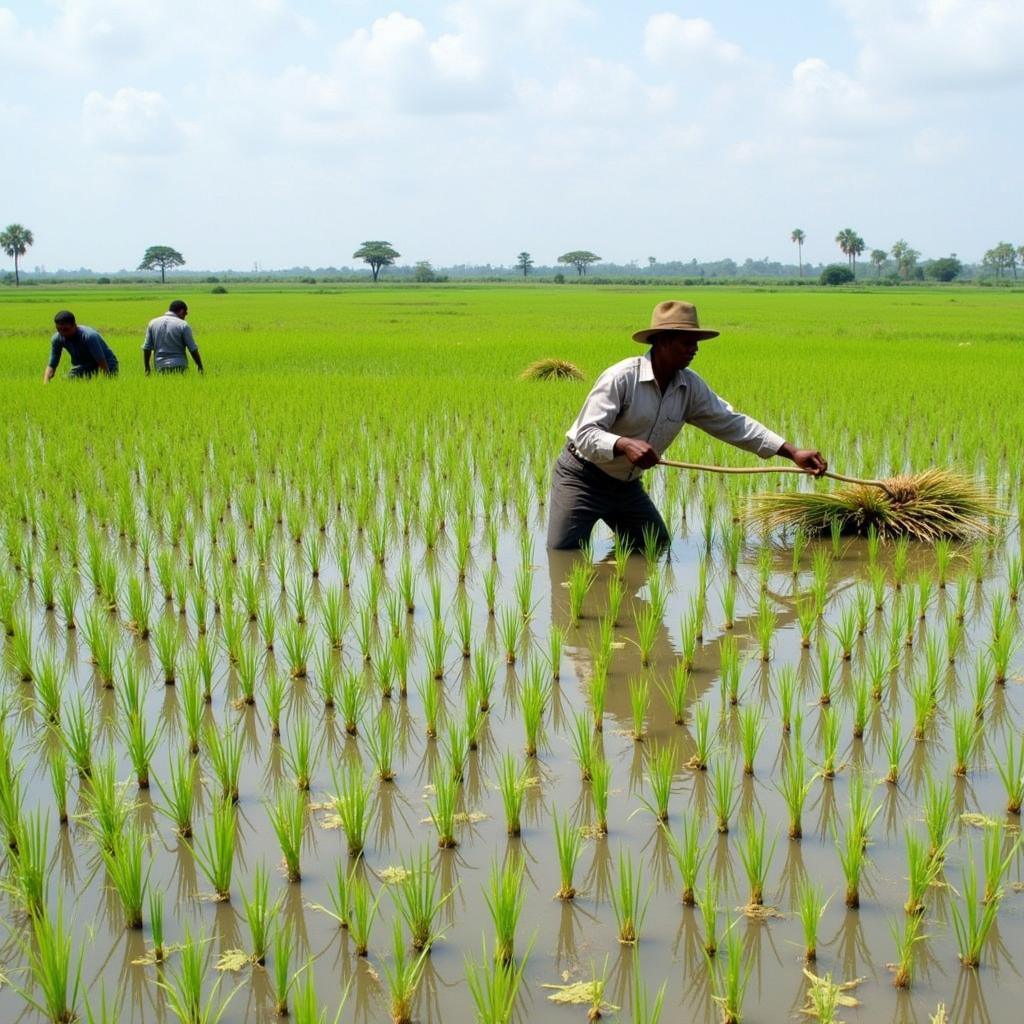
[(632, 414)]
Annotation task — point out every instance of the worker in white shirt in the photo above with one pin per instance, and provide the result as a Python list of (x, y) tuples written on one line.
[(633, 413)]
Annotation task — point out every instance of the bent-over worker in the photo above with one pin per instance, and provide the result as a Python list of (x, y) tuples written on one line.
[(88, 352)]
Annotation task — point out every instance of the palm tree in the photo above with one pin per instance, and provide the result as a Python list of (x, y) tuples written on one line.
[(851, 244), (15, 240), (798, 236), (878, 259)]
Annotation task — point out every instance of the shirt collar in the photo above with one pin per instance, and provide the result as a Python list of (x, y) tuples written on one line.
[(647, 373)]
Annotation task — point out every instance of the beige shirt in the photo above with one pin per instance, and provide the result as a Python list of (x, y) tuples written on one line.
[(627, 402)]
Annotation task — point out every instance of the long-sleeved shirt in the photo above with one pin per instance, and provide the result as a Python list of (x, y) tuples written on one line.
[(626, 401), (169, 336), (86, 348)]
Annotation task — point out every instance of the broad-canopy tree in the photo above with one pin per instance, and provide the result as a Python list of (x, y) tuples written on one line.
[(851, 244), (524, 262), (377, 254), (162, 258), (835, 274), (945, 268), (798, 236), (580, 259), (1001, 257), (15, 240)]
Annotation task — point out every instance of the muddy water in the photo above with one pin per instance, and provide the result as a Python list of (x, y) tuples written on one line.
[(570, 941)]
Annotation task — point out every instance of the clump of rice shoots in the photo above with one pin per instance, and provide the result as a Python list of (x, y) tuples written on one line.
[(552, 369), (926, 506)]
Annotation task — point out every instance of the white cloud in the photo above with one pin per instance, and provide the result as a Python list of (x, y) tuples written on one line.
[(668, 38), (131, 122), (953, 44)]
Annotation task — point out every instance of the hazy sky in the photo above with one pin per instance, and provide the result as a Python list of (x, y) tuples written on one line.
[(288, 131)]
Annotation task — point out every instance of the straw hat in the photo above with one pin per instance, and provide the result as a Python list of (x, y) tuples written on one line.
[(675, 316)]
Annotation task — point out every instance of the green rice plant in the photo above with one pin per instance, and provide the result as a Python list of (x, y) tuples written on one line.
[(765, 566), (862, 609), (581, 578), (67, 597), (938, 813), (983, 684), (943, 551), (707, 904), (247, 672), (676, 692), (1001, 651), (400, 656), (900, 560), (351, 701), (568, 846), (661, 772), (1015, 576), (615, 593), (729, 667), (756, 855), (962, 597), (49, 678), (183, 989), (751, 734), (974, 922), (204, 660), (214, 849), (167, 645), (430, 695), (702, 739), (628, 901), (688, 853), (141, 745), (861, 705), (966, 736), (861, 815), (581, 738), (729, 602), (729, 981), (180, 795), (1011, 770), (334, 617), (78, 734), (845, 631), (200, 600), (689, 634), (274, 695), (325, 677), (997, 862), (533, 701), (523, 590), (224, 754), (300, 599), (382, 743), (922, 871), (436, 647), (924, 593), (810, 908), (510, 631), (355, 805), (444, 808), (879, 664), (57, 763), (852, 858), (794, 786), (260, 913), (298, 647), (828, 665), (287, 815), (12, 798), (504, 896), (156, 924), (494, 986), (402, 976), (807, 618), (128, 874), (765, 626), (798, 541), (786, 686), (28, 862), (512, 786), (639, 704), (419, 901), (300, 755), (489, 582), (895, 745), (281, 975), (723, 793), (830, 726), (140, 607), (55, 970), (600, 785), (456, 750), (464, 624)]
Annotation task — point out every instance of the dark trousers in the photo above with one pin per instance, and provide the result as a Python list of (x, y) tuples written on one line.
[(581, 494)]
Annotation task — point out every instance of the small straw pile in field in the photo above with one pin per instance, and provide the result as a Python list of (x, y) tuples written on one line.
[(926, 506), (552, 369)]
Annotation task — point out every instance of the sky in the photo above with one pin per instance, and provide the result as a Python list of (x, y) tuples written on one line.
[(286, 132)]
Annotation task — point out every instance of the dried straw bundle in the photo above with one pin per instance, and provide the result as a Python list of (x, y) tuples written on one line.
[(552, 369), (926, 506)]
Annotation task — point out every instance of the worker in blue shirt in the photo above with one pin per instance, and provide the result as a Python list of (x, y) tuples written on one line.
[(89, 353)]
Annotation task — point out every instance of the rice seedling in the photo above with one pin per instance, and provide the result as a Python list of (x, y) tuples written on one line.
[(906, 936), (300, 598), (600, 783), (494, 986), (827, 668), (247, 671), (966, 735), (938, 813), (1001, 650), (922, 871), (464, 625), (51, 963), (57, 762), (794, 786), (274, 695), (765, 627), (183, 989), (260, 913), (581, 738), (581, 578), (281, 976), (628, 901), (224, 753), (676, 691), (729, 602), (28, 857), (895, 745), (156, 924), (418, 900), (568, 846), (810, 908), (661, 771), (598, 692), (214, 849), (298, 647), (489, 582), (402, 976), (504, 897), (430, 695), (510, 631), (729, 667), (167, 645), (702, 740), (756, 855), (723, 793), (78, 734), (287, 816), (751, 734), (382, 742), (351, 701), (807, 618), (140, 607), (830, 726), (49, 679), (729, 982), (128, 874), (456, 750), (846, 632), (444, 807), (512, 785), (67, 597), (1011, 770), (355, 804), (852, 859), (996, 861), (533, 701), (862, 704), (639, 702), (974, 922), (879, 664)]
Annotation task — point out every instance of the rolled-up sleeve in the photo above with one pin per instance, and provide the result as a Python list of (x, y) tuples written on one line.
[(590, 432), (717, 417), (56, 349)]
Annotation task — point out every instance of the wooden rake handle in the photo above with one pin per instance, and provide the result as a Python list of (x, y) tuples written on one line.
[(774, 469)]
